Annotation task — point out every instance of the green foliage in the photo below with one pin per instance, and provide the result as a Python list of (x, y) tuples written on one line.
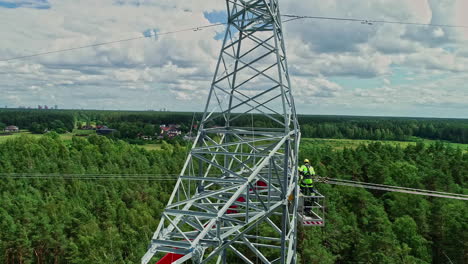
[(37, 128), (39, 121), (111, 221), (131, 123), (79, 221), (384, 128), (367, 226)]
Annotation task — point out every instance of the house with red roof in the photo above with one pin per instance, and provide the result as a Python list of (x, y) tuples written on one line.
[(11, 129), (170, 131)]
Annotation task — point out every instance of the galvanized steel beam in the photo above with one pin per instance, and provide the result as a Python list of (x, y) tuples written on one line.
[(237, 180)]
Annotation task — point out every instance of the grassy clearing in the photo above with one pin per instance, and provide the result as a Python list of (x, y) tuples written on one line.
[(151, 146), (464, 147), (339, 144), (4, 137), (351, 143), (84, 132), (67, 137)]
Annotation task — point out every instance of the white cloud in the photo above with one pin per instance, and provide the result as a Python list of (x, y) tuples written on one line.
[(175, 70), (438, 32), (320, 87)]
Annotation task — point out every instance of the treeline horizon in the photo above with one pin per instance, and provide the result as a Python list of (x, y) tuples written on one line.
[(130, 124), (126, 111)]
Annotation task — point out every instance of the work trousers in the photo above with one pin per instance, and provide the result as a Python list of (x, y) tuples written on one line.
[(307, 190)]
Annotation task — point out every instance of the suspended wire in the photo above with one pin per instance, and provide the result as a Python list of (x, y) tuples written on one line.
[(371, 22), (199, 28), (61, 175), (125, 177), (26, 174), (173, 177), (396, 187), (112, 42), (390, 188)]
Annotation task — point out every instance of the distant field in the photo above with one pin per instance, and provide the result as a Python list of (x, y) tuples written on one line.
[(337, 144), (83, 132), (67, 137), (4, 138), (151, 146), (353, 143)]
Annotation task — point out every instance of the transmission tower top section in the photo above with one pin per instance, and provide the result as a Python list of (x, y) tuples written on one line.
[(252, 72), (230, 203)]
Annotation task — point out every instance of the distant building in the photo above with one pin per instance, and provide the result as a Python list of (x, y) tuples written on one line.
[(11, 129), (145, 137), (170, 125), (105, 131), (170, 131)]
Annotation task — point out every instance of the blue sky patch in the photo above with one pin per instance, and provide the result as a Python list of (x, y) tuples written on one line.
[(36, 4), (354, 83), (216, 17), (151, 33)]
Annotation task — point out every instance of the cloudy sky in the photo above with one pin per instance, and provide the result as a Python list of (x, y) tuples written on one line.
[(337, 67)]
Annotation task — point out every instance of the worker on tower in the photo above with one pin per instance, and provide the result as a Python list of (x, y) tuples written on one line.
[(305, 181)]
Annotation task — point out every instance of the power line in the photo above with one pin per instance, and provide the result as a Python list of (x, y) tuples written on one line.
[(390, 188), (173, 177), (112, 42), (291, 18), (122, 40), (395, 187), (88, 176), (371, 22)]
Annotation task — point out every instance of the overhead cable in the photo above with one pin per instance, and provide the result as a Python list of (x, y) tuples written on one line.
[(371, 22), (173, 177), (170, 177), (198, 28), (395, 189), (112, 42)]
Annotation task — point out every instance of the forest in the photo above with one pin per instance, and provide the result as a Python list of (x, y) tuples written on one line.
[(131, 124), (101, 220), (37, 121)]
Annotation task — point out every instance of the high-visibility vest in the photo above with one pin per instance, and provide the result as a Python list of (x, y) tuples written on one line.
[(306, 181), (306, 176), (307, 170)]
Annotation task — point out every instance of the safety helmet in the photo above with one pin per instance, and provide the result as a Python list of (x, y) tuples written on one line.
[(306, 161)]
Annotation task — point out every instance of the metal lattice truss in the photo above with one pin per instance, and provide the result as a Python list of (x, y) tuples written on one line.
[(236, 198)]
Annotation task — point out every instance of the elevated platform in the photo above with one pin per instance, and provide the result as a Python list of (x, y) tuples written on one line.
[(311, 210)]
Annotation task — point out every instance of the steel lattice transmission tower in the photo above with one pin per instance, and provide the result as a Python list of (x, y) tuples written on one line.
[(236, 198)]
